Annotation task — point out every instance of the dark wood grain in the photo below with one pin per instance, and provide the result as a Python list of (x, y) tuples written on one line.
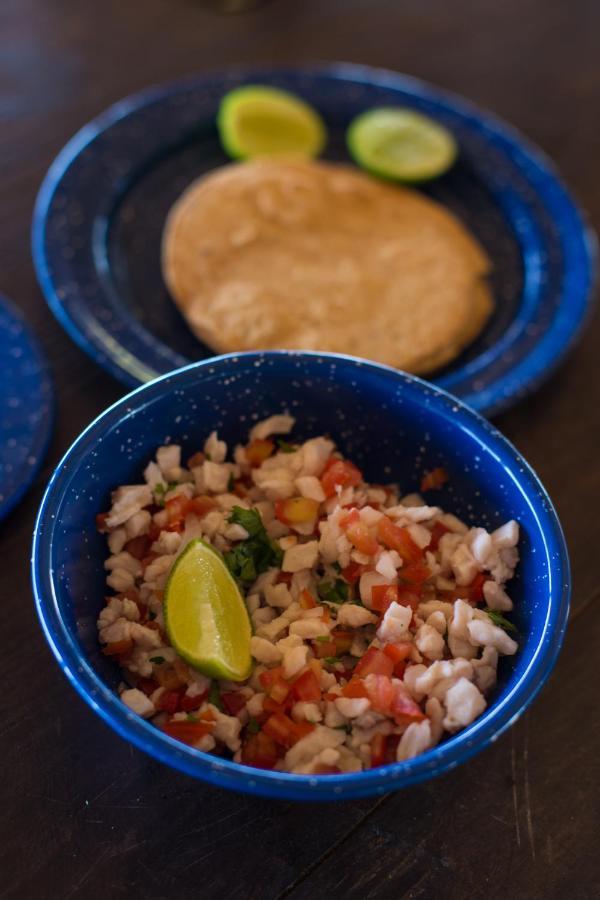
[(83, 814)]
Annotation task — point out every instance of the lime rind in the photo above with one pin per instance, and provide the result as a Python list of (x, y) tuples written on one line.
[(259, 121), (400, 145), (205, 614)]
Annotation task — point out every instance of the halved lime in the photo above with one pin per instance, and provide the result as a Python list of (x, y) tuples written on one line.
[(400, 144), (263, 121), (205, 614)]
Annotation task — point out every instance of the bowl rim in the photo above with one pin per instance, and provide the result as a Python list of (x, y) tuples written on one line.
[(446, 756)]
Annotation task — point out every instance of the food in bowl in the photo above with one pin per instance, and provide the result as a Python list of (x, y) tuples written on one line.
[(378, 619), (278, 253)]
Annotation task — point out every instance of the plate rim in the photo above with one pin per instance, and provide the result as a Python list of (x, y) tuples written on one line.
[(45, 427), (531, 370)]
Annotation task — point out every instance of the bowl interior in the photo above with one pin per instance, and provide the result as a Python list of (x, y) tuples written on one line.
[(393, 427)]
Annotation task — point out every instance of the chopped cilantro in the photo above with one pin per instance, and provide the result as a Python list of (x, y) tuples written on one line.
[(214, 696), (336, 592), (331, 660), (247, 559), (285, 447), (499, 620), (191, 717), (159, 660), (161, 489), (323, 638), (253, 726)]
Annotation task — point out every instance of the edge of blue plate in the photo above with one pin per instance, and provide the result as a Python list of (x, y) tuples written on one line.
[(46, 424), (579, 239), (236, 776)]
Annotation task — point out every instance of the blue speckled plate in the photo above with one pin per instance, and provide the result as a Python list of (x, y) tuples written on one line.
[(100, 213), (26, 407)]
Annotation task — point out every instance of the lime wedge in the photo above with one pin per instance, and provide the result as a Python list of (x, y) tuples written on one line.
[(264, 121), (206, 617), (400, 144)]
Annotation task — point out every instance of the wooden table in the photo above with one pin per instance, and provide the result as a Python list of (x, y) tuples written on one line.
[(85, 815)]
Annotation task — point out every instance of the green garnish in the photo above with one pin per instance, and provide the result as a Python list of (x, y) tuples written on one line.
[(159, 660), (336, 592), (323, 638), (257, 553), (214, 696), (286, 447), (337, 567), (499, 620), (331, 660), (161, 489), (191, 717), (253, 726)]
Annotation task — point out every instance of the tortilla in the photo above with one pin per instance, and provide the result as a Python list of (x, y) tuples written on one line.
[(316, 256)]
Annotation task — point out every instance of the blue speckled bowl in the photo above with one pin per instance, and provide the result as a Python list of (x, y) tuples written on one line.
[(394, 426)]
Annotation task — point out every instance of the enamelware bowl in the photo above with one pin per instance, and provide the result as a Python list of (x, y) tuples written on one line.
[(394, 426)]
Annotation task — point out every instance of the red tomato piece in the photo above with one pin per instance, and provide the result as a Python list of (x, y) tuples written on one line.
[(339, 473), (188, 704), (382, 597), (138, 547), (381, 691), (169, 701), (306, 600), (409, 596), (378, 742), (189, 731), (397, 538), (284, 578), (398, 652), (354, 689), (415, 573), (259, 750), (176, 508), (343, 641), (358, 533), (321, 649), (306, 687), (374, 662), (147, 685), (201, 505), (434, 480), (282, 729), (258, 450), (352, 572), (101, 525), (437, 533), (404, 709), (233, 702), (118, 648)]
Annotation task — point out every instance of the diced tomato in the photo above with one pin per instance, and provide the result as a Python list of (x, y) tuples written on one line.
[(397, 538), (297, 510), (274, 684), (409, 596), (378, 750), (167, 677), (354, 689), (382, 597), (169, 701), (343, 641), (398, 652), (471, 593), (259, 750), (415, 573), (240, 489), (176, 508), (282, 729), (270, 706), (118, 648), (434, 480), (391, 747), (374, 662), (233, 702), (190, 731), (404, 709), (101, 525), (306, 687), (303, 728), (196, 460), (339, 473), (154, 531), (258, 450), (358, 533), (188, 704), (437, 533), (306, 600), (321, 649), (381, 691), (147, 685), (200, 506), (284, 578), (138, 547), (352, 572)]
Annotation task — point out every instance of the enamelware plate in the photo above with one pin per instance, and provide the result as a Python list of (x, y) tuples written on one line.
[(101, 209), (26, 407)]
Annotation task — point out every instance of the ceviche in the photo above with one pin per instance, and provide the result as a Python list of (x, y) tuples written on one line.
[(375, 620)]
